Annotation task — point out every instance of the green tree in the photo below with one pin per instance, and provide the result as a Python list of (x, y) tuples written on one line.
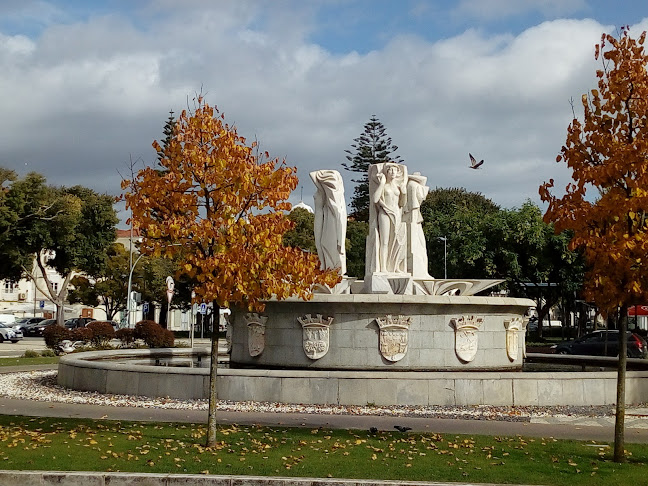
[(605, 203), (67, 229), (108, 287), (168, 134), (150, 281), (465, 219), (356, 242), (373, 146), (485, 241), (302, 234), (537, 262)]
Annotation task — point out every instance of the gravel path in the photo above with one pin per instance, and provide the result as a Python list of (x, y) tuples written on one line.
[(42, 386)]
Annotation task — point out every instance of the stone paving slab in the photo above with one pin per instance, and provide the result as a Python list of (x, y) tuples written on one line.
[(51, 478)]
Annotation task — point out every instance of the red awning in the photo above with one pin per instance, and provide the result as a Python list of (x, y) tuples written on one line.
[(638, 310)]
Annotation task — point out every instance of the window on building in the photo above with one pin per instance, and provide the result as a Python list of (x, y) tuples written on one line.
[(10, 288)]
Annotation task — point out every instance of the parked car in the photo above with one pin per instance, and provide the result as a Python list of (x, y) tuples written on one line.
[(7, 333), (7, 319), (78, 322), (604, 343), (38, 328), (112, 323), (25, 322)]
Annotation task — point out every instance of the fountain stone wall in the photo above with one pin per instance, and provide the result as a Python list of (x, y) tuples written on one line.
[(383, 332)]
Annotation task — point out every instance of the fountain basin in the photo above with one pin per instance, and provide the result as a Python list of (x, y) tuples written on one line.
[(100, 372)]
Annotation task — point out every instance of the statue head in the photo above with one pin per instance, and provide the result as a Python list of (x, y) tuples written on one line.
[(391, 171)]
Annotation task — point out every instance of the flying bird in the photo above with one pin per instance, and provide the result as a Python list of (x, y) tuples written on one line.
[(473, 163), (402, 428)]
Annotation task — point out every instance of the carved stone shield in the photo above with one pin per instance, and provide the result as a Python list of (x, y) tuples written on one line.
[(256, 333), (394, 336), (512, 327), (228, 335), (466, 339), (315, 335)]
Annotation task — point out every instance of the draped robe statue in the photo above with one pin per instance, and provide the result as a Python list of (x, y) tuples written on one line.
[(330, 219), (417, 260)]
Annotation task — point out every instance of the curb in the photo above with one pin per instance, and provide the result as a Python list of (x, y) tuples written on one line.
[(47, 478)]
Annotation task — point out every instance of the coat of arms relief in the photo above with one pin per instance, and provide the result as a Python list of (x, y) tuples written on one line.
[(513, 327), (466, 338), (256, 325), (394, 335), (315, 334)]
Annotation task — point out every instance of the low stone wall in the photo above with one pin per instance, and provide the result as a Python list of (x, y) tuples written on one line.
[(97, 371)]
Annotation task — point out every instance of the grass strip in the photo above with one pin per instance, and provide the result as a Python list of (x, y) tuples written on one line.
[(20, 361), (90, 445)]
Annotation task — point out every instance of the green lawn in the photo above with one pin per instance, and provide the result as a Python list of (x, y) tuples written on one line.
[(67, 444), (20, 361)]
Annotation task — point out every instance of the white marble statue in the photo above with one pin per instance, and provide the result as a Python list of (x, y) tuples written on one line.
[(330, 219), (387, 240), (417, 260)]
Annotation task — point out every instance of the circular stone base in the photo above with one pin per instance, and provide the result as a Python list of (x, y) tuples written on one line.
[(111, 372)]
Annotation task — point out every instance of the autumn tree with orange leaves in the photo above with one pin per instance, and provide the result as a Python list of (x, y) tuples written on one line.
[(606, 203), (217, 206)]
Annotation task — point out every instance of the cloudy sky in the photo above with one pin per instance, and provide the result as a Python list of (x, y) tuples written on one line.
[(86, 85)]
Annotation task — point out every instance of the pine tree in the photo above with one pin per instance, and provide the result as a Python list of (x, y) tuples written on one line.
[(373, 146), (168, 133)]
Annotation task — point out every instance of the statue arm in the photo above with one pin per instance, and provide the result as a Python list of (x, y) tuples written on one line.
[(402, 197), (377, 194)]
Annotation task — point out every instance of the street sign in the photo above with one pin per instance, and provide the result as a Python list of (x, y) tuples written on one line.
[(170, 287), (203, 308), (41, 304), (145, 308)]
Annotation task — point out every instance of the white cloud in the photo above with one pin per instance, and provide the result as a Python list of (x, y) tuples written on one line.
[(84, 97)]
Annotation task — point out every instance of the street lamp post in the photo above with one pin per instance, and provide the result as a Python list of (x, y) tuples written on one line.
[(128, 295), (445, 256)]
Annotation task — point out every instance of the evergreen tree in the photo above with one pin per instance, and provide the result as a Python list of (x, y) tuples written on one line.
[(373, 146), (168, 133)]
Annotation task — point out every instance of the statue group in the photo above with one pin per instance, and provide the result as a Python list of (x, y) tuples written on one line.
[(395, 249)]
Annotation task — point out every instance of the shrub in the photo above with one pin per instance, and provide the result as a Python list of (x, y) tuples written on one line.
[(126, 336), (47, 353), (154, 335), (30, 353), (102, 333), (54, 334), (82, 334)]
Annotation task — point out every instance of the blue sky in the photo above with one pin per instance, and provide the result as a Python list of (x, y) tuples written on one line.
[(87, 85)]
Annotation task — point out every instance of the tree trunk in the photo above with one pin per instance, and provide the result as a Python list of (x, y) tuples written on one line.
[(619, 423), (213, 388), (60, 313)]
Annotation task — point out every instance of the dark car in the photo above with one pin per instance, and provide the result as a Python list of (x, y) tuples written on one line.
[(78, 322), (38, 328), (604, 343)]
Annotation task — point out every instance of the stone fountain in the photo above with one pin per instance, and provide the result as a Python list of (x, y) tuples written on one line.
[(399, 318), (399, 337)]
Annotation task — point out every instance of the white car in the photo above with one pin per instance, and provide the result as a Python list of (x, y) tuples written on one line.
[(9, 334)]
